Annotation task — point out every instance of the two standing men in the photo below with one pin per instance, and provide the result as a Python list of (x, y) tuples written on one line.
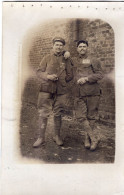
[(55, 70)]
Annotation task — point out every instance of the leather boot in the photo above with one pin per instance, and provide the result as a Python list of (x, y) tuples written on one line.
[(42, 127), (94, 140), (87, 141), (39, 141), (94, 144), (57, 126), (89, 136)]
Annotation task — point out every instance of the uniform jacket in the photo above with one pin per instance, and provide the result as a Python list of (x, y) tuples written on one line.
[(55, 64), (87, 67)]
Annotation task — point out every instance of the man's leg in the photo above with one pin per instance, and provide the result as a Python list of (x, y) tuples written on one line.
[(44, 107), (57, 127), (81, 115), (92, 106), (58, 108)]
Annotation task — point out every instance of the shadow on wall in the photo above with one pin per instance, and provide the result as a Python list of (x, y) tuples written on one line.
[(100, 37)]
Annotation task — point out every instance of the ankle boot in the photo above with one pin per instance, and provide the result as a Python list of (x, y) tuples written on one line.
[(89, 136), (94, 139), (87, 141), (39, 141), (42, 123), (94, 143), (57, 126)]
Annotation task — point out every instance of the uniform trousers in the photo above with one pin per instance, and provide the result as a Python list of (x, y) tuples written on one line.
[(49, 103), (86, 111)]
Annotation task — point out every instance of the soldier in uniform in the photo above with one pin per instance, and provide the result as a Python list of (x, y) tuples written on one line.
[(54, 72), (87, 72)]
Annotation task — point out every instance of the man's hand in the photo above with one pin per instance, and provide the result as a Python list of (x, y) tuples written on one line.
[(66, 54), (82, 80), (52, 77)]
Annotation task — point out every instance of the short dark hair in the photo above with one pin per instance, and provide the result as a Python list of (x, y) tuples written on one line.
[(82, 41)]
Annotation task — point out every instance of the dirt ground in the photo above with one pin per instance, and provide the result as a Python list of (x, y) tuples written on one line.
[(73, 150)]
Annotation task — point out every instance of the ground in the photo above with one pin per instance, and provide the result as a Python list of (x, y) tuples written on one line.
[(73, 150)]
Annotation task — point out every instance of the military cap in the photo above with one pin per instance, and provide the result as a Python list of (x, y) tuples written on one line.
[(82, 41), (59, 39)]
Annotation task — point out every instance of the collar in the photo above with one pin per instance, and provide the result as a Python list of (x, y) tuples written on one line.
[(56, 54), (82, 56)]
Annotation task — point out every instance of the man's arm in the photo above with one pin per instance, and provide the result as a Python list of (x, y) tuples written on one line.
[(69, 71), (41, 71), (95, 76), (97, 72)]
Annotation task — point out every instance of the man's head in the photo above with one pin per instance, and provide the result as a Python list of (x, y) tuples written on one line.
[(82, 47), (58, 44)]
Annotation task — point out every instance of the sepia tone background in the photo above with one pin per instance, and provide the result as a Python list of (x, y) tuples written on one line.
[(38, 43)]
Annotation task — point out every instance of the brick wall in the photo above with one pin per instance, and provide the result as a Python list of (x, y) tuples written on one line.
[(100, 36), (42, 41)]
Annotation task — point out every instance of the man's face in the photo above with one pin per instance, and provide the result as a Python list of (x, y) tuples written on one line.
[(58, 47), (82, 48)]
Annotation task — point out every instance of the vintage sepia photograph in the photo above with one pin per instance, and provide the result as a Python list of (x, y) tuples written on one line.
[(67, 89), (62, 98)]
